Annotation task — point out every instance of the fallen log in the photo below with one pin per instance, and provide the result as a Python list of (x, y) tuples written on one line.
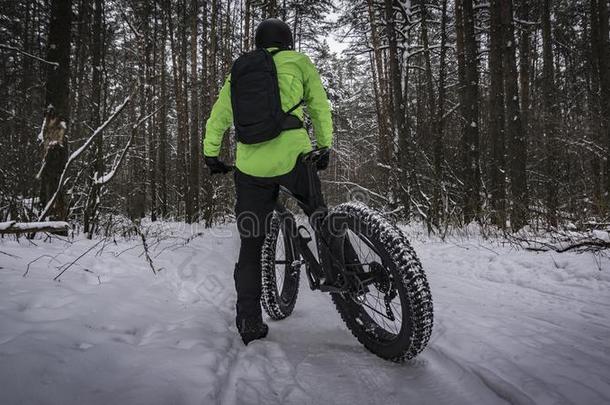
[(25, 227)]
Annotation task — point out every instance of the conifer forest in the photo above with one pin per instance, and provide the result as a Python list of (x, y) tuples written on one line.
[(445, 112)]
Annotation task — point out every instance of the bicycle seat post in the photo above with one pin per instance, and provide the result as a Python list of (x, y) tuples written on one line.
[(316, 200)]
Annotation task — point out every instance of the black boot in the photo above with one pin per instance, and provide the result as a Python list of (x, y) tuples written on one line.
[(251, 329)]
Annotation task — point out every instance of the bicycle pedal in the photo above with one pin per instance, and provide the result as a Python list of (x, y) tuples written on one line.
[(295, 267), (296, 264), (329, 288)]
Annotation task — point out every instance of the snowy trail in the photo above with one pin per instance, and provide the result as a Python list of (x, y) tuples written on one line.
[(510, 327)]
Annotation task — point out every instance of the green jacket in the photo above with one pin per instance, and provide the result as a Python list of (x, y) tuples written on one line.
[(298, 79)]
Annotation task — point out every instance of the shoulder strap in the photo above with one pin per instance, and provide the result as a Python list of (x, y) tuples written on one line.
[(297, 105)]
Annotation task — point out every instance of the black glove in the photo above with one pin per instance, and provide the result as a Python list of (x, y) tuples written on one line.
[(323, 159), (216, 166)]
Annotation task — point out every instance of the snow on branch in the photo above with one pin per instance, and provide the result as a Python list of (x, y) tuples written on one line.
[(564, 241), (523, 22), (78, 152), (29, 55), (362, 188), (26, 227), (108, 176)]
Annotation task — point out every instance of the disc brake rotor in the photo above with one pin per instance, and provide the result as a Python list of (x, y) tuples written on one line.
[(384, 285)]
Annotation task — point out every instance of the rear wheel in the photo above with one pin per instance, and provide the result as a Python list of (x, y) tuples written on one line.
[(281, 270), (387, 305)]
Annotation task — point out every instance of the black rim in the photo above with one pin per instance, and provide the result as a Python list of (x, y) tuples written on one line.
[(377, 305), (285, 274)]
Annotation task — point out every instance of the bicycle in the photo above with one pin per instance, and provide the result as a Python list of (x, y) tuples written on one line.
[(390, 271)]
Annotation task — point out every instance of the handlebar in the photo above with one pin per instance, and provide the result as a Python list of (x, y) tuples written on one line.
[(310, 157), (315, 154)]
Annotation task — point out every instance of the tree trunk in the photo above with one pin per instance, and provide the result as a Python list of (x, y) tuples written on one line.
[(516, 131), (383, 116), (496, 116), (271, 9), (429, 94), (604, 81), (212, 54), (151, 79), (57, 99), (594, 109), (438, 149), (163, 141), (207, 183), (470, 108), (397, 107), (195, 152), (184, 134), (247, 18), (549, 117), (182, 117), (97, 162)]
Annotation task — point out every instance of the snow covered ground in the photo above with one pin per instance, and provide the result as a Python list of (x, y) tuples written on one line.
[(510, 327)]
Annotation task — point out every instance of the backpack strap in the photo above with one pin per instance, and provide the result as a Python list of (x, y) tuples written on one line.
[(297, 105), (292, 121)]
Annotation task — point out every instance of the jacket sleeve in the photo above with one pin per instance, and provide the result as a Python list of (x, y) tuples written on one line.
[(317, 103), (220, 120)]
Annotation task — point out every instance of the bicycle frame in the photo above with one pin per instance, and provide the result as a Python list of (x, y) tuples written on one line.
[(318, 269), (319, 276)]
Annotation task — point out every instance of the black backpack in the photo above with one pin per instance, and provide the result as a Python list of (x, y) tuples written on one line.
[(255, 98)]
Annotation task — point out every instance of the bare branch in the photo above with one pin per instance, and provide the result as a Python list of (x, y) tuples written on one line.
[(77, 259), (77, 153), (29, 55), (108, 176)]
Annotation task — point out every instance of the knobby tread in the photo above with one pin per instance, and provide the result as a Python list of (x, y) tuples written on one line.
[(411, 275), (270, 298)]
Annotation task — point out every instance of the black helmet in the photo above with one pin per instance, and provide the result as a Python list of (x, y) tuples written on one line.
[(273, 33)]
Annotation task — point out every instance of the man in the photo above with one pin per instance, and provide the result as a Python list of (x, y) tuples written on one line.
[(261, 167)]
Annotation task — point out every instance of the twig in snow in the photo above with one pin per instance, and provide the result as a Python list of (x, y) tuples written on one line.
[(99, 280), (10, 255), (77, 259), (27, 270), (178, 245), (588, 245), (583, 245), (146, 254), (490, 249)]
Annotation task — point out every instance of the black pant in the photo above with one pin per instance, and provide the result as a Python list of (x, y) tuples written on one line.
[(256, 199)]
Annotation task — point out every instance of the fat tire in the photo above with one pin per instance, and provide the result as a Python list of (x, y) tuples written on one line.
[(271, 299), (407, 273)]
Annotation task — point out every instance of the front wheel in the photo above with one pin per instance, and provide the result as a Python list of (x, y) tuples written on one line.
[(281, 270), (387, 305)]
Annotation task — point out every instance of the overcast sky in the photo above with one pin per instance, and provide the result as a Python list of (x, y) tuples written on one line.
[(335, 45)]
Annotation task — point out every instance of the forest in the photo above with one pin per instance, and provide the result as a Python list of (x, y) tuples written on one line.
[(445, 112), (463, 257)]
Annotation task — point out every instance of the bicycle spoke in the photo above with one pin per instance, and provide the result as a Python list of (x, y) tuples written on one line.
[(381, 303), (358, 264), (386, 313), (374, 310), (280, 251)]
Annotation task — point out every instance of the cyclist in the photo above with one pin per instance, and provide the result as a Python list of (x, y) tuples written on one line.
[(261, 167)]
